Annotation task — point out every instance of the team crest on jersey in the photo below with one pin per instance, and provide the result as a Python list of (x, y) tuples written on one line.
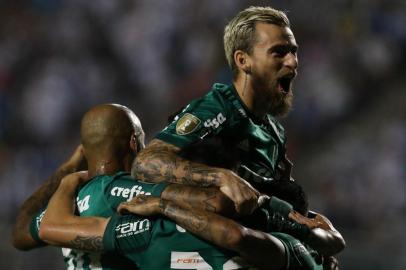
[(187, 124)]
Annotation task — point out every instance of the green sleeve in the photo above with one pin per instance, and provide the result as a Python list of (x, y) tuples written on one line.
[(128, 233), (271, 216), (279, 221), (124, 189), (279, 206), (202, 117), (35, 225), (297, 255)]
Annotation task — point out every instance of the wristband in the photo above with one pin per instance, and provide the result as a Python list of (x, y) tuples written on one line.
[(34, 227), (279, 223), (277, 205)]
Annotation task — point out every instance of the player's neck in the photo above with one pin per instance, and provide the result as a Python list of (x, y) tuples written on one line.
[(105, 167), (243, 85)]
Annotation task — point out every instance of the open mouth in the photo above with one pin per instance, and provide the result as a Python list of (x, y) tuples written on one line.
[(284, 83)]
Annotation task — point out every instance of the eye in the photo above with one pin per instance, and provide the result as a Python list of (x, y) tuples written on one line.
[(280, 52)]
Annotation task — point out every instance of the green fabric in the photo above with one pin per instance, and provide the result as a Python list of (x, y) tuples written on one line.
[(34, 227), (280, 206), (273, 216), (101, 197), (161, 244), (102, 194), (278, 223), (257, 145), (298, 256)]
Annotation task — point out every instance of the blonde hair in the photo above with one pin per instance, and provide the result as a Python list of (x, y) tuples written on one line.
[(239, 33)]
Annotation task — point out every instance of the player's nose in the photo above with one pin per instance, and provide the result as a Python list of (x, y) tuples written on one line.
[(291, 61)]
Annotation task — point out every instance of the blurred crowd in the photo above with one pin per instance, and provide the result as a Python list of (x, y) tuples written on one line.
[(346, 131)]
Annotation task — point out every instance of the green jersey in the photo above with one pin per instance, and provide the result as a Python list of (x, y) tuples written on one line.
[(100, 197), (256, 145), (161, 244)]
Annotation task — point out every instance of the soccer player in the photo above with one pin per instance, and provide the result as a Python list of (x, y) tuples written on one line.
[(160, 244), (261, 51), (111, 136)]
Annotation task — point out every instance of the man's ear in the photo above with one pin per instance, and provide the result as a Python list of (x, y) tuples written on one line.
[(243, 61), (133, 143)]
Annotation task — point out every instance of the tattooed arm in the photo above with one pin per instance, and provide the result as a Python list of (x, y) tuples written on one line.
[(208, 199), (259, 248), (319, 232), (60, 227), (21, 237), (160, 162)]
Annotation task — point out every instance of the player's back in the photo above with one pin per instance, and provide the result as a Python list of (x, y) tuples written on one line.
[(100, 197)]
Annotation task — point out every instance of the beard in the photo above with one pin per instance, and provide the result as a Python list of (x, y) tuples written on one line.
[(278, 103)]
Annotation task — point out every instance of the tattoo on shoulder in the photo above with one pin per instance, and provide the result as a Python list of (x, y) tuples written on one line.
[(92, 243)]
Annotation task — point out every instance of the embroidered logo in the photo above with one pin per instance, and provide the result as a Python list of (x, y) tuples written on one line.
[(187, 124)]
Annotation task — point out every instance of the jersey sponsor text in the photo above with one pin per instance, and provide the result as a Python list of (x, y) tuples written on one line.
[(127, 192), (132, 228), (216, 121)]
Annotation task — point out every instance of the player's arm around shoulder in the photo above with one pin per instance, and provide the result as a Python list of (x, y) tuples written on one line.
[(25, 230), (61, 227), (160, 162)]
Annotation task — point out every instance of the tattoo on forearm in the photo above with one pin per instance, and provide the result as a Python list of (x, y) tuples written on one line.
[(209, 226), (191, 197), (194, 223), (210, 195), (93, 243), (159, 162)]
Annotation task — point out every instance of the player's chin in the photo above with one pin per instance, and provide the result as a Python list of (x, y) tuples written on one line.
[(282, 105)]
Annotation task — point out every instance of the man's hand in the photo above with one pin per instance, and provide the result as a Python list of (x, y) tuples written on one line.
[(244, 196), (324, 223), (77, 160), (323, 236), (75, 179), (141, 205), (309, 222)]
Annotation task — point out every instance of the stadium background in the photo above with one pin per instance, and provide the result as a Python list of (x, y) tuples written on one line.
[(346, 132)]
